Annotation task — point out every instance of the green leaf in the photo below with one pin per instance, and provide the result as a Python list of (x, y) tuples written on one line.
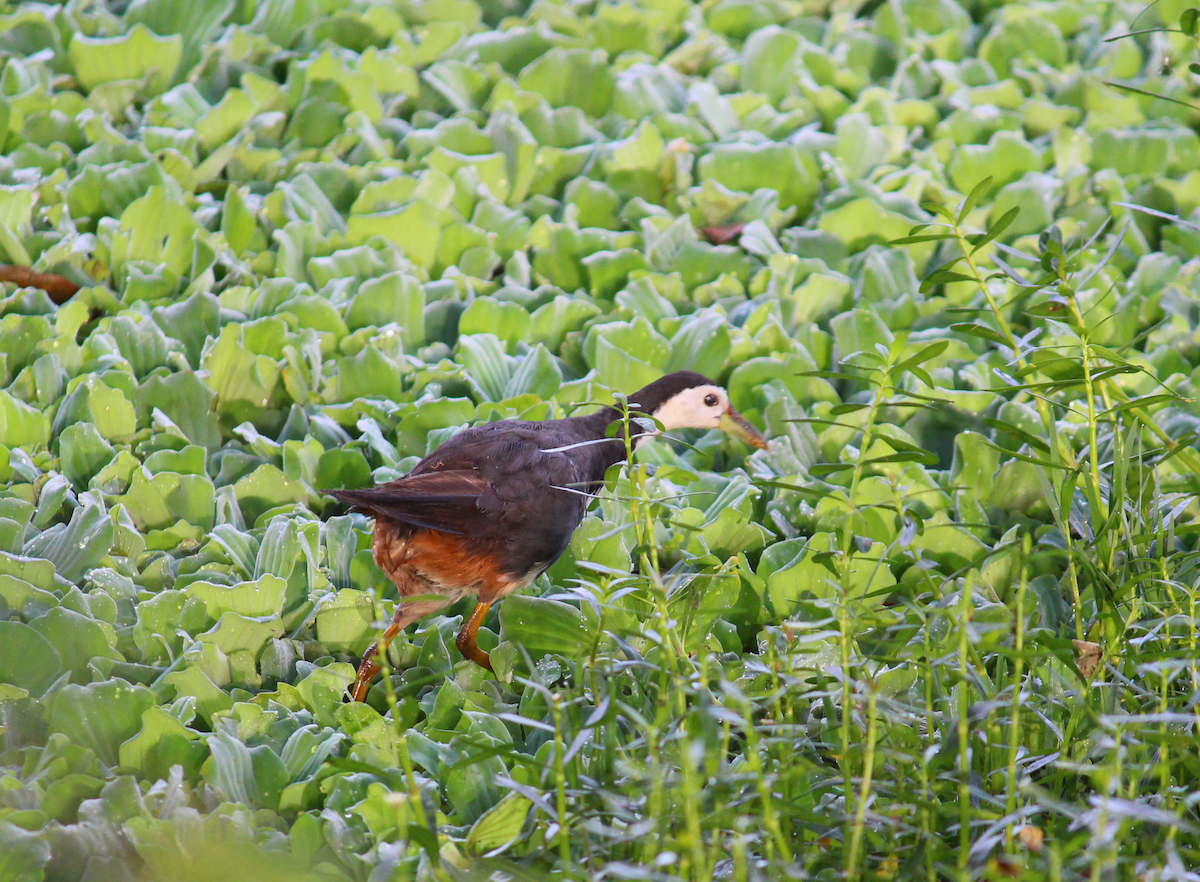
[(191, 322), (21, 425), (99, 716), (194, 685), (161, 739), (416, 227), (1023, 207), (103, 406), (138, 54), (933, 350), (747, 380), (821, 470), (638, 336), (500, 826), (487, 367), (608, 271), (395, 297), (545, 626), (952, 546), (933, 18), (238, 222), (972, 199), (236, 373), (78, 638), (346, 622), (1027, 40), (642, 150), (702, 344), (347, 469), (552, 321), (252, 776), (235, 633), (471, 786), (1187, 21), (698, 604), (571, 78), (768, 53), (324, 688), (24, 854), (265, 488), (1005, 158), (37, 572), (860, 330), (788, 170), (186, 401), (537, 373), (508, 321), (807, 577), (158, 229), (862, 222), (197, 22), (982, 331), (943, 278), (27, 659), (618, 369), (76, 547), (262, 597)]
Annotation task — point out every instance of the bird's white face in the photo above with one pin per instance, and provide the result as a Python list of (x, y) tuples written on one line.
[(706, 407), (700, 407)]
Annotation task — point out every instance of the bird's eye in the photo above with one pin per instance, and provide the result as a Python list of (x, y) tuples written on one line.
[(710, 400)]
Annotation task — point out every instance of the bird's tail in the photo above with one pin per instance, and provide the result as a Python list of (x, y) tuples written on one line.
[(359, 500)]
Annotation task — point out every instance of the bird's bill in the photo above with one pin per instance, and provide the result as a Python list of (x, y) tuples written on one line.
[(733, 423)]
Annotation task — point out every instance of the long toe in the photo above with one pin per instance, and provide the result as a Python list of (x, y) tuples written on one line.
[(470, 649), (367, 670), (466, 637)]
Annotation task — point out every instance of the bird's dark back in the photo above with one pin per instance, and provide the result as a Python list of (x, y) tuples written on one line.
[(540, 474)]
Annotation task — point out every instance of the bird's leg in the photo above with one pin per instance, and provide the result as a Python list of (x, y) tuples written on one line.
[(466, 637), (369, 667)]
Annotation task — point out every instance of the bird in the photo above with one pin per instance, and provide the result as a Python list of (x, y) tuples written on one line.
[(493, 507)]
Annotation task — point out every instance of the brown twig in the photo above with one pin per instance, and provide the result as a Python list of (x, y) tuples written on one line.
[(60, 288), (722, 233)]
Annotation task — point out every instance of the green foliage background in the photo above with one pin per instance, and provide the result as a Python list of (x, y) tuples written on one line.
[(945, 628)]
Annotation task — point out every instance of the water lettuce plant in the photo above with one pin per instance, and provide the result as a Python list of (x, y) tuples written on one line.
[(947, 253)]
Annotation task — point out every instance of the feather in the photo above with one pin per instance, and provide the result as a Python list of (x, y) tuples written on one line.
[(443, 501)]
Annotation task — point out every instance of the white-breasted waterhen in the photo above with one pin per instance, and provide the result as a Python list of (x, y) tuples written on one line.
[(488, 511)]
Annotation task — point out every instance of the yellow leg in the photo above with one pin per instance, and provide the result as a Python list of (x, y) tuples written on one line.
[(368, 667), (466, 637)]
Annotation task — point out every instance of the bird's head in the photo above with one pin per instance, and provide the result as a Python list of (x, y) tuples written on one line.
[(687, 400)]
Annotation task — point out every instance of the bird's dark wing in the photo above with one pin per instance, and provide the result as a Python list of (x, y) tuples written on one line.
[(508, 485), (449, 501)]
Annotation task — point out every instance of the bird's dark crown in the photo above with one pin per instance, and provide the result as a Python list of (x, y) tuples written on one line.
[(650, 398)]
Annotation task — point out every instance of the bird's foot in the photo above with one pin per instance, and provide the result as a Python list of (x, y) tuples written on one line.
[(466, 637), (367, 669), (474, 653)]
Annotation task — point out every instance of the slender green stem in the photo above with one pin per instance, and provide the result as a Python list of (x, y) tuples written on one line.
[(1185, 452), (864, 790), (1061, 446), (883, 388), (654, 804), (1059, 449), (1018, 680), (560, 785), (964, 732), (1095, 489), (400, 737), (400, 740), (926, 792), (762, 785)]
